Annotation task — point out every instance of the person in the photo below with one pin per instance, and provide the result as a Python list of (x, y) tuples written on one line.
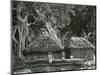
[(67, 52)]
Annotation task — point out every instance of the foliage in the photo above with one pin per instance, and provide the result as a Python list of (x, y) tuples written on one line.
[(30, 19)]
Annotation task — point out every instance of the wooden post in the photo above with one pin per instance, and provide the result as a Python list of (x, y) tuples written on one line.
[(50, 57), (63, 55)]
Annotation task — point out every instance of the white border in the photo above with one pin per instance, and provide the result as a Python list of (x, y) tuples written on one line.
[(5, 36)]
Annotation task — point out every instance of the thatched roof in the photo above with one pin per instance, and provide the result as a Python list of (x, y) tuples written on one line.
[(46, 44), (80, 42)]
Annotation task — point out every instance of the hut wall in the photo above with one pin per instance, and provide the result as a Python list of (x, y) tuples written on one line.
[(89, 54), (82, 53), (35, 56), (38, 55), (57, 55), (77, 53)]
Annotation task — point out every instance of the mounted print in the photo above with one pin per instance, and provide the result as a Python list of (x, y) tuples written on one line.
[(52, 37)]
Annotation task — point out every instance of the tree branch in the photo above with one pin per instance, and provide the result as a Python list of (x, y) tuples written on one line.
[(64, 36), (84, 33), (15, 9), (13, 36), (31, 23)]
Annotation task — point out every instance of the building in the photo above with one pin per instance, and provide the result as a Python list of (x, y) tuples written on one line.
[(44, 49), (81, 48)]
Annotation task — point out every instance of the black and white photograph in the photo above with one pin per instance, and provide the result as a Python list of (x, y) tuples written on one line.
[(52, 37)]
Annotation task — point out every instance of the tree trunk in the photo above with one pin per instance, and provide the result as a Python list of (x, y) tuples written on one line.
[(23, 32), (53, 35)]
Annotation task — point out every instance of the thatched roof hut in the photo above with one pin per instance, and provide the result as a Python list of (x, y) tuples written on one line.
[(81, 48), (45, 48), (45, 44)]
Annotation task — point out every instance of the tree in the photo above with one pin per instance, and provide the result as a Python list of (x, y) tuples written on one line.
[(21, 25)]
